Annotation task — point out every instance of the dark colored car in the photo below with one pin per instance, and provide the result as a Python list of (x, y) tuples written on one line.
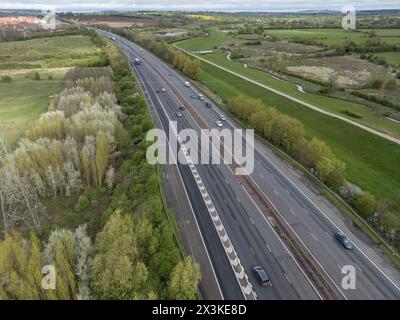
[(344, 241), (182, 107), (157, 91), (193, 96), (261, 275), (208, 104)]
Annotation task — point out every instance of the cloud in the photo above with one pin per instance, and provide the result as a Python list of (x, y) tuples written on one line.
[(196, 5)]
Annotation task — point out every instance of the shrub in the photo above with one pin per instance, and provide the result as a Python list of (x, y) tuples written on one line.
[(364, 203), (6, 79), (82, 204), (36, 76)]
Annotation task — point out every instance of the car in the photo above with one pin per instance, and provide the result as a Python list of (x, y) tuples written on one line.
[(193, 96), (187, 84), (261, 275), (179, 114), (222, 117), (201, 97), (157, 91), (344, 241), (163, 90), (182, 107), (219, 123), (208, 104)]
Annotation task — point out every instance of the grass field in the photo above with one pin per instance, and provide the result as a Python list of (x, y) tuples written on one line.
[(392, 58), (331, 37), (371, 161), (21, 102), (63, 51)]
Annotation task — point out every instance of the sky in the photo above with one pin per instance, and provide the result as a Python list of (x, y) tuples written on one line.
[(196, 5)]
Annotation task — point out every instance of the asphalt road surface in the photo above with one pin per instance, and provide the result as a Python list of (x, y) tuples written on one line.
[(251, 235)]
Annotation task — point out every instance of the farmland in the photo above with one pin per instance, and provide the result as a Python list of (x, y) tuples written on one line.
[(332, 37), (114, 21)]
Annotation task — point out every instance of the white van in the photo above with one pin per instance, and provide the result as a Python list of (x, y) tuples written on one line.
[(187, 84)]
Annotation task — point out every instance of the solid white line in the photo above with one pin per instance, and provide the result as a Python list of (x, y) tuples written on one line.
[(287, 278)]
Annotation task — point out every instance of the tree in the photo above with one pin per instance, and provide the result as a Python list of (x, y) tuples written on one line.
[(184, 281), (316, 151), (364, 203), (102, 155), (117, 271)]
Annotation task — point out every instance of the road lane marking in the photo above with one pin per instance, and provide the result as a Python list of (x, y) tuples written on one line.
[(292, 212), (312, 235), (287, 278)]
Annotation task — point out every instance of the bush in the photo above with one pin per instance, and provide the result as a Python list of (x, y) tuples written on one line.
[(36, 76), (364, 203), (352, 114), (6, 79), (82, 204)]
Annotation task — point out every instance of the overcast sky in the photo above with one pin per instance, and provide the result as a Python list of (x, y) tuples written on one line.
[(203, 5)]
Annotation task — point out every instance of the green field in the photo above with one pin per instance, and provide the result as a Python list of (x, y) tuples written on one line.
[(331, 37), (392, 58), (372, 162), (23, 102), (54, 52)]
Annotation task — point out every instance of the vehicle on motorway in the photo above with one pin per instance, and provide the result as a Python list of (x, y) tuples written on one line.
[(261, 275), (222, 117), (187, 84), (182, 107), (208, 104), (201, 97), (344, 241), (163, 90), (157, 91), (179, 114), (193, 96), (137, 61), (219, 123), (113, 38)]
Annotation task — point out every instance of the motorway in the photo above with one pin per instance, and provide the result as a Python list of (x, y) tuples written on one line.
[(254, 240)]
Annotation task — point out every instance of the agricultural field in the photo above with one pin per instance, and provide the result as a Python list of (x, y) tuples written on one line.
[(22, 102), (392, 58), (54, 52), (113, 21), (32, 71), (332, 37)]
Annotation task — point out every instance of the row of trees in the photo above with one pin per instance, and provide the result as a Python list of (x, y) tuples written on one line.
[(70, 253), (66, 150), (288, 134)]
